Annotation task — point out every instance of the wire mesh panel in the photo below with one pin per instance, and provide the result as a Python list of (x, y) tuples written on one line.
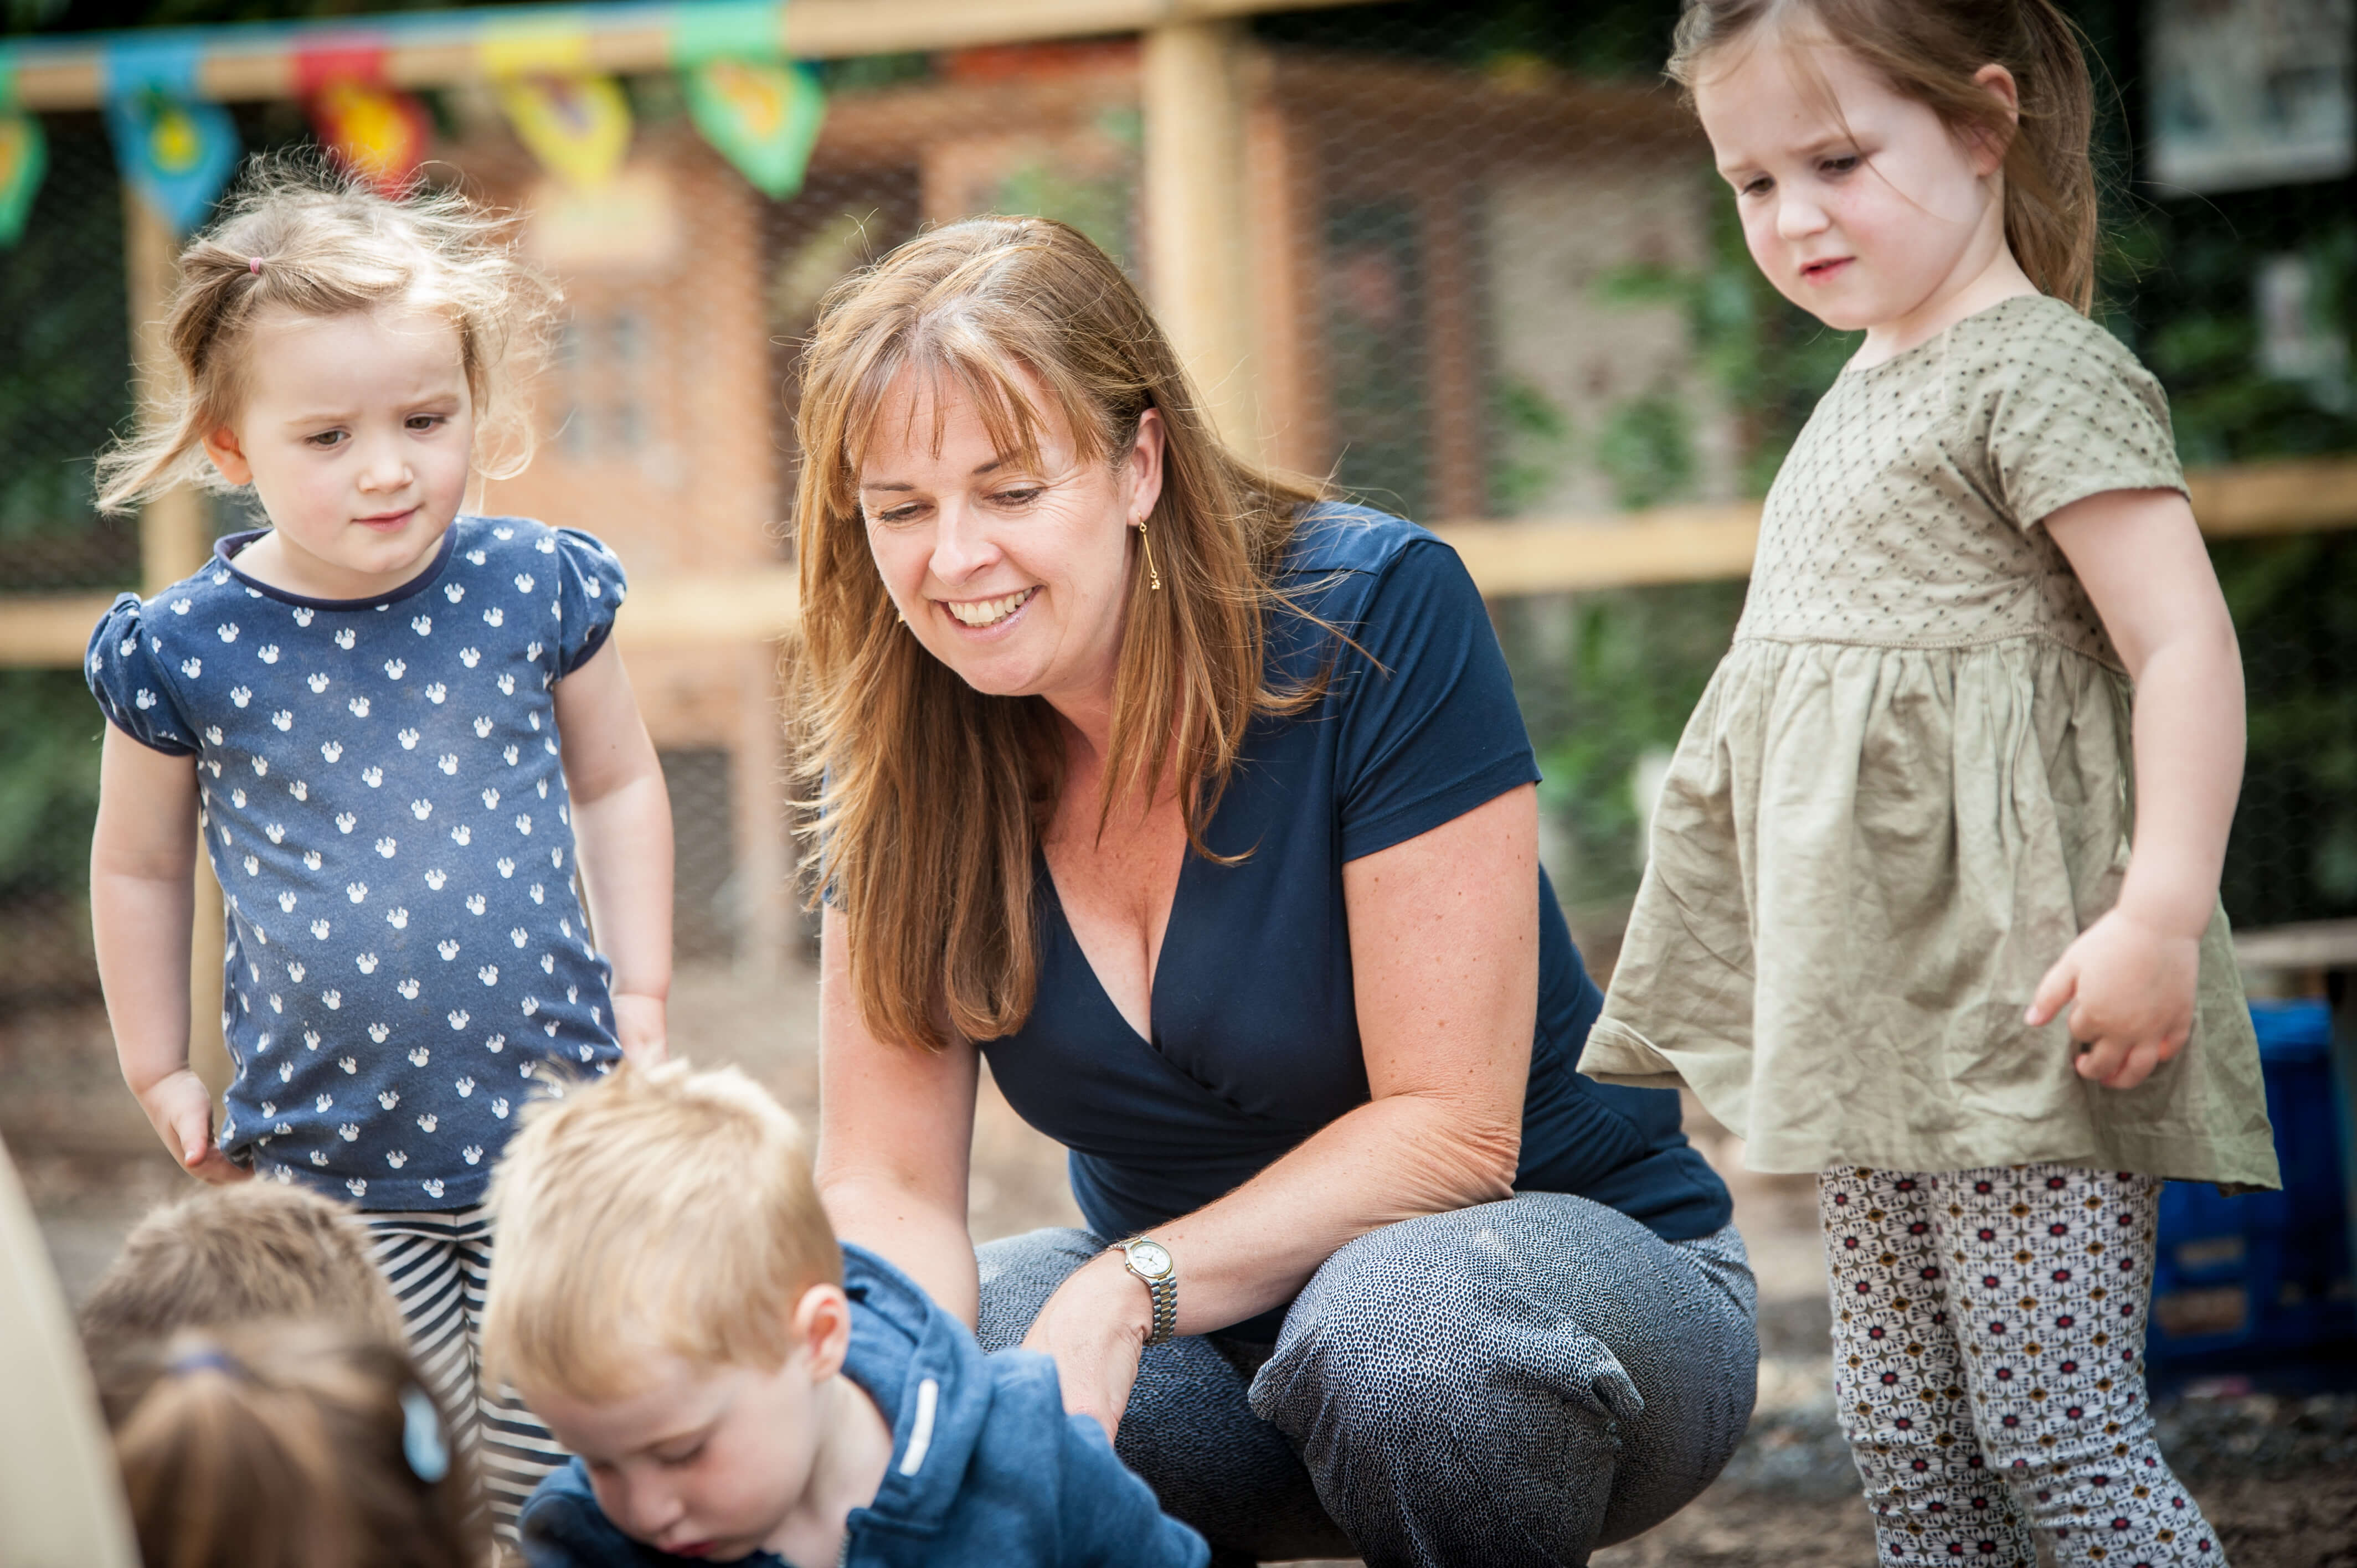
[(65, 359), (1492, 275)]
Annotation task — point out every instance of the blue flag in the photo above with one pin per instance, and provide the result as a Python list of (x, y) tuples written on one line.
[(177, 150)]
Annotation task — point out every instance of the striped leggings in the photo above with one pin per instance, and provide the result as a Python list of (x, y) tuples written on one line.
[(439, 1263)]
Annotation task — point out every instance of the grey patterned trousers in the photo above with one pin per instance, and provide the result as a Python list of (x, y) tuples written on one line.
[(1506, 1386)]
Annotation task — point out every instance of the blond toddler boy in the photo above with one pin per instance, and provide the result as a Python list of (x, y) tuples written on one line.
[(669, 1297)]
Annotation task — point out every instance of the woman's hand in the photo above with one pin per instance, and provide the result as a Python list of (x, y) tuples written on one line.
[(2129, 987), (1095, 1327), (181, 1108)]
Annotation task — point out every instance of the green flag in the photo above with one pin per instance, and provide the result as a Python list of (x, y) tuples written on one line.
[(763, 116)]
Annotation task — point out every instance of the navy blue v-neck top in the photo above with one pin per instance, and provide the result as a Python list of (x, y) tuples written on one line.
[(1255, 1032)]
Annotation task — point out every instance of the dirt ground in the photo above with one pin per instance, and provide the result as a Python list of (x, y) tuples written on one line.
[(2277, 1477)]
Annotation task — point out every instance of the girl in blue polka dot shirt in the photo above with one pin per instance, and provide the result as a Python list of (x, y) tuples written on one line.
[(392, 725)]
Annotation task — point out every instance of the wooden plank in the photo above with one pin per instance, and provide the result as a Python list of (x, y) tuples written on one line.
[(1667, 544), (1196, 241), (255, 60), (708, 612), (48, 630), (2318, 944), (2292, 496), (1688, 544)]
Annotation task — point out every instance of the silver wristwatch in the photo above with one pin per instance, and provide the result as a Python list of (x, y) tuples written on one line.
[(1150, 1260)]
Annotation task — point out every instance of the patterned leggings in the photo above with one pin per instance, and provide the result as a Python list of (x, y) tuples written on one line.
[(438, 1263), (1989, 1337)]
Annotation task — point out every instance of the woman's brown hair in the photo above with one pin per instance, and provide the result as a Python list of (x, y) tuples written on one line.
[(1928, 50), (927, 796), (288, 1444)]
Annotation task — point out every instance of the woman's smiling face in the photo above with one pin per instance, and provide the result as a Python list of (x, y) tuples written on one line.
[(1016, 574)]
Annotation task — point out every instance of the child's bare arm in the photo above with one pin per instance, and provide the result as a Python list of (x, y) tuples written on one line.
[(621, 824), (142, 906), (2129, 978)]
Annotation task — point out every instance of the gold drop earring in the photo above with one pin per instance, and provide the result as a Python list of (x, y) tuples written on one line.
[(1152, 577)]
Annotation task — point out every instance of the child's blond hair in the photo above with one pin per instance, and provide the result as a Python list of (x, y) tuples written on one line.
[(299, 237), (661, 1209), (231, 1254), (290, 1445)]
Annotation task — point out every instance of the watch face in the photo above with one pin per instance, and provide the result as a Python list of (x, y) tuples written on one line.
[(1150, 1260)]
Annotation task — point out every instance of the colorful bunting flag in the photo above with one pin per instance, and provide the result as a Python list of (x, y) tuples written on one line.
[(23, 159), (732, 29), (577, 126), (555, 45), (374, 131), (762, 115), (177, 150)]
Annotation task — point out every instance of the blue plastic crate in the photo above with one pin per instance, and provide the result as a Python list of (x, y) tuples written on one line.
[(2260, 1281)]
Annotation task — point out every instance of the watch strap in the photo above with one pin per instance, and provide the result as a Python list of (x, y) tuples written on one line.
[(1163, 1288)]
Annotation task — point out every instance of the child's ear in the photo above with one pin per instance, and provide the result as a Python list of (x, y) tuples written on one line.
[(822, 1327), (227, 458), (1989, 148)]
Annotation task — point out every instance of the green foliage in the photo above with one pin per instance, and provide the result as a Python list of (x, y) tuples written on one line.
[(1618, 686), (1770, 360), (1623, 38), (1536, 443), (48, 781), (1098, 205), (1646, 449), (64, 351)]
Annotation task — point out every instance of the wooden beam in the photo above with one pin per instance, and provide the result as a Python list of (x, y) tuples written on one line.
[(1197, 240), (2318, 944), (1667, 544), (2287, 497), (257, 60), (708, 612), (174, 537), (1689, 545), (48, 630)]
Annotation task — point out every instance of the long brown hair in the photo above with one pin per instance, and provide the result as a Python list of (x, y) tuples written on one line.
[(927, 796), (283, 1443), (1928, 50)]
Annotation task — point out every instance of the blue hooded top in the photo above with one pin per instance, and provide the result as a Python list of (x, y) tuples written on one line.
[(987, 1467)]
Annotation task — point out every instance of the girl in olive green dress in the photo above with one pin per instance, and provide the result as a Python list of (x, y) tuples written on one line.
[(1933, 905)]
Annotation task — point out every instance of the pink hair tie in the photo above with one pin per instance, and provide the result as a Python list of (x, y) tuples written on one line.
[(253, 265)]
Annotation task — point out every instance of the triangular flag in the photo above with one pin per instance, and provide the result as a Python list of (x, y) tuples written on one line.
[(578, 127), (176, 150), (763, 116), (374, 131), (371, 128), (23, 159)]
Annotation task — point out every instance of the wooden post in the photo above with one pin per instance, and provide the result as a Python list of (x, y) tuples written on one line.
[(765, 879), (1289, 245), (174, 538), (1197, 245)]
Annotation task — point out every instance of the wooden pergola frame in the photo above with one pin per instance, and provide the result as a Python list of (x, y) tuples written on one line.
[(1194, 94)]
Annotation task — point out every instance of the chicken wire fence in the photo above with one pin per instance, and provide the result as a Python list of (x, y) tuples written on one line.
[(1492, 277)]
